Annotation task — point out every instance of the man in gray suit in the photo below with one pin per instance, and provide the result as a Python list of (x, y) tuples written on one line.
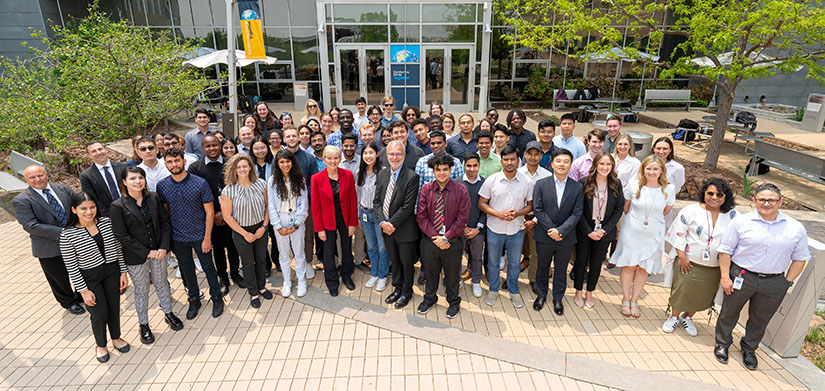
[(42, 210), (102, 178)]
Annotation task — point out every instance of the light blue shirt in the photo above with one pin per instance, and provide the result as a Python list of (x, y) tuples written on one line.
[(573, 144), (560, 185), (765, 246)]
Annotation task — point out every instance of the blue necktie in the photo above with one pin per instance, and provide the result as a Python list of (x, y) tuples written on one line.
[(56, 207), (111, 181)]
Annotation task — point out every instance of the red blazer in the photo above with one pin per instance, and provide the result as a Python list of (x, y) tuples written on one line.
[(323, 205)]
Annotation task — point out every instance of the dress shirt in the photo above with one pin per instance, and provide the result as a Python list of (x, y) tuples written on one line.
[(560, 185), (520, 140), (42, 194), (358, 120), (426, 175), (194, 140), (111, 172), (457, 147), (546, 157), (540, 173), (573, 144), (456, 209), (675, 175), (320, 163), (185, 200), (505, 194), (155, 175), (489, 166), (366, 193), (243, 149), (351, 165), (335, 139), (581, 167), (765, 246), (628, 169)]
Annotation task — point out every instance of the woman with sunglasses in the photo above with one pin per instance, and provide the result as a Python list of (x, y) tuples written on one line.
[(695, 236), (311, 110)]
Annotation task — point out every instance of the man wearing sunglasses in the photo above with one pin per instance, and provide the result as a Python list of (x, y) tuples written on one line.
[(152, 165), (761, 254)]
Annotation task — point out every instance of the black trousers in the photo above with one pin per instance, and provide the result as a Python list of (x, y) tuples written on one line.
[(764, 296), (331, 271), (253, 257), (224, 250), (559, 255), (273, 254), (402, 256), (589, 257), (436, 260), (104, 282), (58, 279)]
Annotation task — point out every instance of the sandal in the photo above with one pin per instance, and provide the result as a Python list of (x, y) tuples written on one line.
[(625, 308), (634, 310)]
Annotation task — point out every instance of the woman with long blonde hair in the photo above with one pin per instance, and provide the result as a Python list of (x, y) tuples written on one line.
[(648, 199), (311, 110)]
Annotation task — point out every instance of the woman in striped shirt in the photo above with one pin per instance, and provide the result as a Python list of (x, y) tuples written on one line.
[(243, 204), (94, 260)]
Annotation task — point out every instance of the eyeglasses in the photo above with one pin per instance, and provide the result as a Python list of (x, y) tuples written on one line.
[(395, 154), (389, 104), (144, 149), (312, 106), (374, 113), (466, 122), (714, 195), (769, 201)]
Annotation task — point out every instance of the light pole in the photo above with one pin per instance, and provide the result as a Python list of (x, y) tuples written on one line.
[(230, 57)]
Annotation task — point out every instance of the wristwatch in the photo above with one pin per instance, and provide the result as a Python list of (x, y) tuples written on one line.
[(790, 283)]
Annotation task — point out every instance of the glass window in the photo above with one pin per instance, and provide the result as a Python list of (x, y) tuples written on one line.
[(499, 91), (201, 15), (305, 52), (138, 12), (531, 54), (328, 13), (461, 13), (274, 72), (404, 33), (158, 13), (277, 92), (219, 12), (365, 33), (452, 33), (363, 13), (302, 12), (202, 34), (250, 89), (274, 13), (527, 69), (404, 13), (276, 43), (116, 9)]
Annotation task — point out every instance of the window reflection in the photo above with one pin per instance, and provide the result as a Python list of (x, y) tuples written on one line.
[(305, 54)]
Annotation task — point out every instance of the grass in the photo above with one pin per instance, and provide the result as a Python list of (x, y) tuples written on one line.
[(815, 345)]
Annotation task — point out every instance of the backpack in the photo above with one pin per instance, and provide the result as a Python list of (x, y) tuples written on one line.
[(681, 133), (746, 118), (594, 93), (688, 124), (561, 95), (760, 167)]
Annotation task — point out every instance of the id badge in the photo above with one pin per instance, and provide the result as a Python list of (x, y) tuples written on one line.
[(597, 227), (737, 282), (365, 217), (442, 231), (705, 255)]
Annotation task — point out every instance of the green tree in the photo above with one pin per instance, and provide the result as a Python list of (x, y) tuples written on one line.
[(742, 40), (95, 79)]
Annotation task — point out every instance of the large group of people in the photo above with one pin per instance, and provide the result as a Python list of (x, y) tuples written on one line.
[(343, 190)]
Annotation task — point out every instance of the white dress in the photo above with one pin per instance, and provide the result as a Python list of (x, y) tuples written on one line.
[(676, 177), (639, 243)]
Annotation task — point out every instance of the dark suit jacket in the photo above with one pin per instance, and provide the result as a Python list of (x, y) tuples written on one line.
[(612, 213), (564, 218), (40, 221), (93, 183), (402, 204), (127, 223), (323, 203)]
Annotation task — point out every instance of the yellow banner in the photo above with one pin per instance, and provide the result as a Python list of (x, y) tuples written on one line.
[(253, 39)]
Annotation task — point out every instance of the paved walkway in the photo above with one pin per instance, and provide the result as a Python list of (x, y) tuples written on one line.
[(358, 342)]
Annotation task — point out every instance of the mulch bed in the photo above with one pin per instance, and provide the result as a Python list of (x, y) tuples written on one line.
[(790, 144)]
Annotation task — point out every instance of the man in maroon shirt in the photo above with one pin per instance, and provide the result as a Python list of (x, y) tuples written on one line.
[(443, 209)]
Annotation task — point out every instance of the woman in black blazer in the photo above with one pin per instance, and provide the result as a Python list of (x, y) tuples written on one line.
[(603, 207), (142, 224)]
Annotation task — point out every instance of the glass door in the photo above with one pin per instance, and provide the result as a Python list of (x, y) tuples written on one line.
[(449, 77), (361, 72)]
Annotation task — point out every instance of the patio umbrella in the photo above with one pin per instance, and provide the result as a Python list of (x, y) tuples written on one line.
[(220, 57)]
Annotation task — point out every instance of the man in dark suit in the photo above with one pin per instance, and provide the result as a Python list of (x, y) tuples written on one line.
[(42, 210), (557, 204), (102, 178), (396, 192)]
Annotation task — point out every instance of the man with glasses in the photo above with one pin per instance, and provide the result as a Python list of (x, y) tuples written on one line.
[(466, 140), (519, 137), (547, 130), (761, 254), (172, 140), (614, 129), (401, 133), (155, 168)]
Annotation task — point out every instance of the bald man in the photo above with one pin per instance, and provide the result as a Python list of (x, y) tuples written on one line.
[(42, 210)]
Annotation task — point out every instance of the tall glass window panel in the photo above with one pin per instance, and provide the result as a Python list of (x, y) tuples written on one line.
[(248, 89), (376, 67), (220, 39), (350, 81), (200, 36), (305, 53), (117, 9), (525, 69), (404, 33), (138, 8), (460, 87), (277, 92), (219, 11), (499, 91), (363, 33), (276, 43), (501, 56), (274, 12), (302, 13), (404, 13), (434, 66), (360, 13), (161, 12), (453, 13), (274, 72), (448, 33)]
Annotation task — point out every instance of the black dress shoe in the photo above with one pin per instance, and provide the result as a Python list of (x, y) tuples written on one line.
[(124, 348), (146, 335), (239, 281), (217, 307), (533, 288), (558, 307), (422, 279), (393, 297), (333, 292), (539, 303), (194, 306), (224, 286), (349, 284), (76, 309), (423, 308), (721, 353), (364, 268), (173, 321), (402, 302), (749, 358), (103, 358), (255, 303)]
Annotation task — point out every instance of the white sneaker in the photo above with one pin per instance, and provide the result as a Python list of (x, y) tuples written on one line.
[(382, 284), (302, 289), (173, 263), (198, 265), (310, 273), (371, 282), (286, 290), (477, 290), (503, 262), (670, 324), (690, 328), (177, 272)]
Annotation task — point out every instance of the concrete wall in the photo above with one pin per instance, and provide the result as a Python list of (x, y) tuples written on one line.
[(16, 17), (790, 89)]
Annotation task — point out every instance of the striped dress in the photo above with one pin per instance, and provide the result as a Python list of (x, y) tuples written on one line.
[(248, 205), (80, 251)]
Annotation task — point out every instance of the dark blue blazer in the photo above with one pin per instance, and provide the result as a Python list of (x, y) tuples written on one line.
[(550, 215)]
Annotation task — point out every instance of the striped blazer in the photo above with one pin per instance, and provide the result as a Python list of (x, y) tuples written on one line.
[(80, 251)]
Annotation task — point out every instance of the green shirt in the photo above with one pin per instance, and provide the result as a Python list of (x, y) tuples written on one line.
[(489, 166)]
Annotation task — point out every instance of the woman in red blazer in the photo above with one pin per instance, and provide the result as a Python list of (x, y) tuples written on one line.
[(335, 210)]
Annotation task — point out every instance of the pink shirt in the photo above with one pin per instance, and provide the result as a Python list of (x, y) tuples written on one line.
[(581, 167)]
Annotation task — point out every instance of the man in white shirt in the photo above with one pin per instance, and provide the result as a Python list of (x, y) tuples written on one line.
[(531, 169), (155, 168), (245, 136), (566, 139)]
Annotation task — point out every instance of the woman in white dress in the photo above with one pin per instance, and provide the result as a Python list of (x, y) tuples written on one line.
[(663, 148), (648, 200), (627, 168)]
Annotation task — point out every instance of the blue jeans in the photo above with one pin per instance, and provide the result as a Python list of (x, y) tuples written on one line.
[(377, 252), (512, 243), (183, 251)]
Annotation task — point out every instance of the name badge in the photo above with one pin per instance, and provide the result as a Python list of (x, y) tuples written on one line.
[(705, 255), (365, 217), (442, 231), (597, 227), (737, 282)]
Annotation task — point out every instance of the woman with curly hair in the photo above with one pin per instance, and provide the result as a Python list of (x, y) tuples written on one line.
[(288, 210)]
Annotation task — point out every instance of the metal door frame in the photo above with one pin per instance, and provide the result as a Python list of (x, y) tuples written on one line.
[(448, 80), (362, 70)]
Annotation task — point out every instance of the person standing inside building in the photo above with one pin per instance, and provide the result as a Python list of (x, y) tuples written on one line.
[(761, 254), (100, 179), (42, 210)]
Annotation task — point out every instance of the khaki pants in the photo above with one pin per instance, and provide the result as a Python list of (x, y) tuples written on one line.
[(528, 249)]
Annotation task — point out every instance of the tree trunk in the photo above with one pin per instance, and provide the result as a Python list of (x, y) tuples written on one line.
[(719, 128)]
